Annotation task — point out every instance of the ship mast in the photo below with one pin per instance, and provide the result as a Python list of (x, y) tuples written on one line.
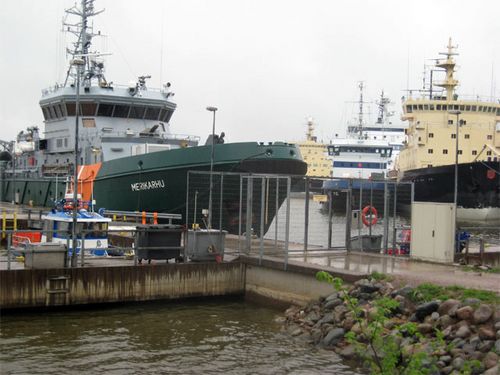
[(360, 113), (84, 34), (448, 65), (310, 130)]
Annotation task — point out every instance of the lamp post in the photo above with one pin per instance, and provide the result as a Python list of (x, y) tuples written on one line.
[(213, 110), (455, 188), (78, 63)]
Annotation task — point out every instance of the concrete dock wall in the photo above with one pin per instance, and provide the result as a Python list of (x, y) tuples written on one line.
[(54, 287), (268, 280)]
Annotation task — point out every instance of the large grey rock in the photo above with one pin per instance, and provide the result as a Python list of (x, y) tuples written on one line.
[(327, 318), (348, 352), (486, 333), (426, 309), (485, 346), (490, 360), (445, 321), (446, 306), (463, 332), (405, 292), (497, 346), (333, 337), (482, 314), (458, 363), (493, 371), (330, 305), (465, 313), (332, 296)]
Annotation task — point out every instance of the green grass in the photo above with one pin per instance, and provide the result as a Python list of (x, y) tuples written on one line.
[(380, 276), (427, 292)]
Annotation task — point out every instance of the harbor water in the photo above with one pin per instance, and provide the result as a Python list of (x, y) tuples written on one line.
[(188, 337)]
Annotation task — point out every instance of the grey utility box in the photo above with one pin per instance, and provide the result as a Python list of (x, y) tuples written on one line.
[(45, 255), (206, 245), (158, 241)]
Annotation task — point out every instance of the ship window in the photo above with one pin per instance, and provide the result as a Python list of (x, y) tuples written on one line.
[(408, 109), (152, 113), (58, 111), (46, 114), (489, 136), (462, 108), (426, 107), (165, 115), (455, 107), (490, 109), (429, 165), (459, 152), (445, 107), (445, 151), (52, 113), (88, 109), (88, 123), (474, 152), (71, 109), (467, 107), (59, 142), (431, 135), (480, 108), (466, 136), (438, 107), (137, 112), (430, 151), (488, 152), (121, 110), (498, 111), (474, 108), (450, 122), (431, 107), (453, 136), (65, 142), (105, 110), (420, 107)]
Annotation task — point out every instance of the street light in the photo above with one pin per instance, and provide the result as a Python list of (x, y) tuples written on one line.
[(213, 110), (455, 191), (78, 63)]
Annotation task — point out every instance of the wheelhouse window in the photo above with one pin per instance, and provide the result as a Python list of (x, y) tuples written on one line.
[(137, 112), (445, 151), (121, 111), (408, 109), (165, 115), (71, 109), (46, 113), (152, 113), (105, 110), (467, 136), (431, 135), (58, 111), (88, 109), (53, 115), (430, 151)]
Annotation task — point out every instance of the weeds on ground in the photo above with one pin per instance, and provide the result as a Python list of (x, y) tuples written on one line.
[(427, 292)]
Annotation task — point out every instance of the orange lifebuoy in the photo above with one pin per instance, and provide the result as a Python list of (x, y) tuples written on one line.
[(373, 214)]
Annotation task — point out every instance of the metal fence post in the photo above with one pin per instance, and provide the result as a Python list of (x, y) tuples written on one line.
[(262, 197), (386, 218), (249, 214), (330, 218), (287, 230), (220, 201), (360, 226), (348, 223), (240, 213), (276, 215), (306, 219), (82, 251), (9, 243), (395, 184)]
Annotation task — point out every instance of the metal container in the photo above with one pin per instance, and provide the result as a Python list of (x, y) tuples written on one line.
[(367, 243), (158, 241), (45, 255), (206, 245)]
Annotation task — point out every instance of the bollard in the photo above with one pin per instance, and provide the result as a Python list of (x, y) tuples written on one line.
[(143, 217), (15, 220), (155, 218)]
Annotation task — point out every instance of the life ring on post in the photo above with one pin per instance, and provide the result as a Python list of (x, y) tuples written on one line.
[(373, 214)]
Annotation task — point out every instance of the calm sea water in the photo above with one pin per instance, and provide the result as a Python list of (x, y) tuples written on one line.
[(210, 337)]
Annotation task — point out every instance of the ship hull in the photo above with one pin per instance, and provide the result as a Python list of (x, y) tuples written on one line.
[(158, 182), (478, 196)]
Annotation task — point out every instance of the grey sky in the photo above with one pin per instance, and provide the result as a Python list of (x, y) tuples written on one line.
[(266, 64)]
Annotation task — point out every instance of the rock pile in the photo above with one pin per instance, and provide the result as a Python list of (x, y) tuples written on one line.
[(469, 330)]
